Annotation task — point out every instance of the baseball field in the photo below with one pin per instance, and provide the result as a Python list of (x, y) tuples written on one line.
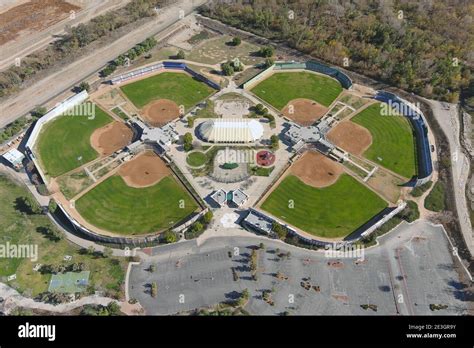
[(178, 87), (116, 207), (64, 143), (280, 88), (393, 144), (331, 212)]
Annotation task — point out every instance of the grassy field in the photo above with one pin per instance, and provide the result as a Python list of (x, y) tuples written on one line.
[(217, 49), (393, 143), (119, 208), (331, 212), (196, 159), (16, 227), (64, 143), (280, 88), (181, 88)]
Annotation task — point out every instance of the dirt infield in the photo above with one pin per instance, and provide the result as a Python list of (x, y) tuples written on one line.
[(316, 169), (110, 138), (305, 111), (159, 112), (350, 137), (35, 15), (146, 169)]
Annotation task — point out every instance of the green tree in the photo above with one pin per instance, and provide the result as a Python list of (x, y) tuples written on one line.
[(188, 142), (227, 69), (196, 227), (170, 237), (280, 231), (274, 142), (84, 86), (52, 206), (207, 217), (190, 122), (259, 109), (132, 54), (39, 112), (236, 41), (266, 52), (180, 55)]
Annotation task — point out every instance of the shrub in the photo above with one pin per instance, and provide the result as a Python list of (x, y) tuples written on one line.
[(230, 166), (180, 55), (266, 52), (411, 212), (170, 237), (419, 190), (236, 41), (52, 206)]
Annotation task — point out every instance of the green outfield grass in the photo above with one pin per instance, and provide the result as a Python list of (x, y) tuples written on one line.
[(119, 208), (282, 87), (330, 212), (64, 143), (393, 143), (180, 88)]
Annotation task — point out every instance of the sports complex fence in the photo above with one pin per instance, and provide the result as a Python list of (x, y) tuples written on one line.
[(418, 122), (161, 66), (343, 79)]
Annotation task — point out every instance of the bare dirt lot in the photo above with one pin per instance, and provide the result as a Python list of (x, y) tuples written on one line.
[(316, 169), (159, 112), (34, 15), (110, 138), (304, 111), (350, 137), (146, 169)]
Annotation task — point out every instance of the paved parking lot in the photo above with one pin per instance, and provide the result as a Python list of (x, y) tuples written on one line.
[(411, 269)]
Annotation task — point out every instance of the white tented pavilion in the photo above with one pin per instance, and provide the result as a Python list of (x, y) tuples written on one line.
[(229, 130)]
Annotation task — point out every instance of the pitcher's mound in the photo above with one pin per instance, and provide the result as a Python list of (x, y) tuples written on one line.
[(146, 169), (159, 112), (316, 170), (110, 138), (304, 111)]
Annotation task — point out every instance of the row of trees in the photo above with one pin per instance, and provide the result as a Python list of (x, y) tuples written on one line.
[(199, 226), (418, 46), (128, 57)]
